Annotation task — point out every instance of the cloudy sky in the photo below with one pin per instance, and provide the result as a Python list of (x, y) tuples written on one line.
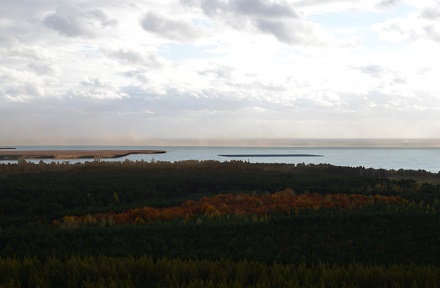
[(127, 72)]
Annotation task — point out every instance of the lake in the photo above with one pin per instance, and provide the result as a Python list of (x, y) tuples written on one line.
[(387, 158)]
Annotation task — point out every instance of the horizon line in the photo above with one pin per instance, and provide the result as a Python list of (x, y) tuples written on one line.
[(253, 142)]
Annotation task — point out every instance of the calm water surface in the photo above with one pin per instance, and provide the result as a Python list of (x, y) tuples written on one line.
[(388, 158)]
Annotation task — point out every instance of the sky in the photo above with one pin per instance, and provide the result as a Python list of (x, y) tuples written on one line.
[(121, 72)]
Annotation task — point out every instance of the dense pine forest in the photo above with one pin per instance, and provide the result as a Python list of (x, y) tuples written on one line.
[(217, 224)]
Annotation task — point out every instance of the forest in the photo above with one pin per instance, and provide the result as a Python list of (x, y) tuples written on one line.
[(217, 224)]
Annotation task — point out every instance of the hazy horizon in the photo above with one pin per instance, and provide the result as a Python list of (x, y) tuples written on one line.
[(278, 142), (118, 72)]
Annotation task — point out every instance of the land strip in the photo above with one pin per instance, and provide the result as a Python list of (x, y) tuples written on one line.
[(270, 155), (71, 154)]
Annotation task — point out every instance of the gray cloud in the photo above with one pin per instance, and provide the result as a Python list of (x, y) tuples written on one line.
[(218, 72), (74, 21), (169, 28), (276, 18), (432, 13), (138, 75), (254, 8), (25, 10), (102, 18), (372, 70), (42, 68), (387, 3), (291, 32), (69, 25), (134, 57), (261, 8), (211, 7), (432, 32), (399, 80), (6, 40)]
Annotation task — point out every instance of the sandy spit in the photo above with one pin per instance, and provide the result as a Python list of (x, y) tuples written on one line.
[(71, 154)]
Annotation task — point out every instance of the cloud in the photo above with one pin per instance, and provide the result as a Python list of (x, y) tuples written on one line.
[(431, 13), (246, 67), (42, 68), (420, 26), (67, 24), (372, 70), (73, 21), (261, 8), (277, 18), (99, 15), (149, 112), (219, 72), (96, 88), (135, 56), (432, 32), (412, 29), (24, 10), (178, 30), (255, 8), (387, 3), (30, 52), (292, 32), (7, 40), (22, 86)]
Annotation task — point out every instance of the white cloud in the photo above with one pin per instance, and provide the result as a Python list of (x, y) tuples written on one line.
[(22, 86), (421, 25), (26, 52), (95, 88)]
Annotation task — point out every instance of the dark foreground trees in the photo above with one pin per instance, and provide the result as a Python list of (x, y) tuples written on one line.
[(336, 227), (147, 272)]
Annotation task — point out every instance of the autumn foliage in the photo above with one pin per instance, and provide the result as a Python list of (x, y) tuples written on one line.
[(285, 201)]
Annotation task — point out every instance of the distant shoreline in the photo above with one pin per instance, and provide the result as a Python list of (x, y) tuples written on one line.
[(8, 148), (72, 154)]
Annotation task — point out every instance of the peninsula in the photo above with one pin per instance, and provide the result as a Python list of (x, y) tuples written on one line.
[(71, 154)]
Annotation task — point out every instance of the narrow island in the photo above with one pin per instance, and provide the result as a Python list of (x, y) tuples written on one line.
[(8, 148), (270, 155), (71, 154)]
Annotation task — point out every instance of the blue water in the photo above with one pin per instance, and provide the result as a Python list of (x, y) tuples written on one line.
[(387, 158)]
